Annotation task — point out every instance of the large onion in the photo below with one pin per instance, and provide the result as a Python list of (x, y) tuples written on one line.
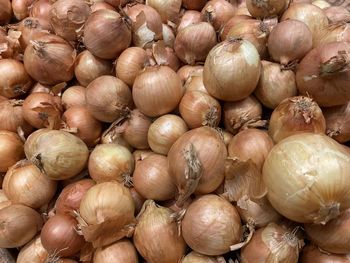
[(337, 122), (122, 251), (311, 254), (11, 149)]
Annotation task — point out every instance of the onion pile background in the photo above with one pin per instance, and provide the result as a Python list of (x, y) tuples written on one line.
[(169, 131)]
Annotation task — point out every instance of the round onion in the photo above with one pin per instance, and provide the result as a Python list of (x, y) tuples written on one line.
[(211, 225), (89, 67), (108, 98), (59, 236), (311, 254), (11, 149), (15, 81), (33, 252), (221, 76), (297, 175), (196, 162), (60, 155), (321, 76), (337, 122), (337, 14), (195, 83), (49, 60), (168, 9), (190, 17), (194, 4), (106, 34), (20, 8), (74, 97), (264, 9), (19, 224), (5, 12), (156, 221), (122, 251), (233, 22), (30, 29), (186, 71), (218, 12), (41, 10), (194, 257)]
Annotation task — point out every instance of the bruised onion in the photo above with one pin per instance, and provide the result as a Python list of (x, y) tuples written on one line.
[(122, 251), (30, 29), (194, 4), (5, 11), (218, 12), (73, 97), (190, 17), (312, 254), (337, 14), (211, 225), (33, 252), (337, 122), (20, 8), (11, 149), (40, 10), (168, 9), (264, 9), (186, 71)]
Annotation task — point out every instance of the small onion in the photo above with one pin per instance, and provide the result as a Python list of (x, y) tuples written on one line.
[(59, 154), (211, 225), (218, 12), (164, 131), (19, 224), (89, 67), (221, 76), (20, 8), (156, 221), (275, 84), (194, 4), (108, 98), (33, 252), (195, 83), (15, 80), (59, 236), (5, 11), (194, 257), (106, 34), (152, 180), (111, 162), (297, 175), (186, 71), (337, 14), (73, 97), (311, 254), (264, 9), (157, 91), (190, 17), (30, 29), (122, 251), (337, 122), (49, 60), (11, 149), (168, 9), (40, 10), (101, 5)]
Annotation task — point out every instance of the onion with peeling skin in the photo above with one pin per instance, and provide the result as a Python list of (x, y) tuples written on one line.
[(337, 122), (266, 8), (168, 36), (30, 29), (190, 17), (337, 14), (122, 251), (73, 97), (186, 71), (33, 252), (218, 12), (333, 33), (311, 254)]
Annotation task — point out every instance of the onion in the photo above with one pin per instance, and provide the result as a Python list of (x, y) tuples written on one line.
[(282, 46), (4, 201), (200, 109), (194, 4), (264, 9), (194, 257), (295, 115), (276, 83), (186, 71), (164, 131), (221, 76), (73, 97), (19, 224), (138, 200), (195, 83), (321, 3), (117, 3), (337, 14), (70, 197), (242, 114), (113, 136), (196, 162), (6, 12), (106, 210), (20, 8), (152, 180), (168, 36), (23, 176), (157, 91), (165, 56), (49, 60), (111, 162), (122, 251), (30, 29), (313, 254), (9, 43), (296, 173), (218, 12), (38, 87), (333, 33), (272, 243), (211, 225), (42, 110), (337, 122), (67, 17), (157, 221), (101, 5), (41, 10), (33, 252), (89, 67), (130, 63), (321, 74), (146, 24), (168, 9), (194, 42), (108, 98), (106, 34), (59, 236), (15, 81), (11, 149), (190, 17), (233, 22), (60, 155), (82, 124)]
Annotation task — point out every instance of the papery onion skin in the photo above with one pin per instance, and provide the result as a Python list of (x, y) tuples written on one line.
[(168, 9), (318, 156), (312, 254), (319, 74), (218, 12), (6, 12), (168, 36), (211, 225), (30, 29), (41, 9), (195, 83), (186, 71), (11, 149), (19, 224), (190, 17), (337, 14), (38, 87), (337, 122), (264, 9), (33, 252), (20, 8), (194, 4), (122, 251), (194, 257), (73, 97)]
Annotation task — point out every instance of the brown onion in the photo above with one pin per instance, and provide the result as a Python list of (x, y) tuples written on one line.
[(138, 200), (152, 180), (89, 67), (82, 124), (264, 9), (60, 155), (337, 14), (168, 36), (108, 98), (168, 9), (5, 12), (15, 80), (211, 225), (106, 34), (190, 17), (295, 115), (122, 251), (9, 43), (50, 60), (101, 5), (20, 8), (218, 12), (337, 122), (195, 83), (320, 74), (194, 4), (4, 201), (33, 252), (333, 33), (11, 149), (117, 3), (311, 254), (41, 10), (19, 224), (30, 29), (186, 71), (164, 55), (196, 162), (193, 43), (38, 87), (194, 257), (59, 236), (156, 221), (221, 76), (164, 131), (111, 162), (113, 136), (235, 20), (74, 97), (275, 84)]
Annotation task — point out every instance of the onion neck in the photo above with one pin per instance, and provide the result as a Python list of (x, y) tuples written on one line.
[(336, 64), (326, 213), (39, 47)]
